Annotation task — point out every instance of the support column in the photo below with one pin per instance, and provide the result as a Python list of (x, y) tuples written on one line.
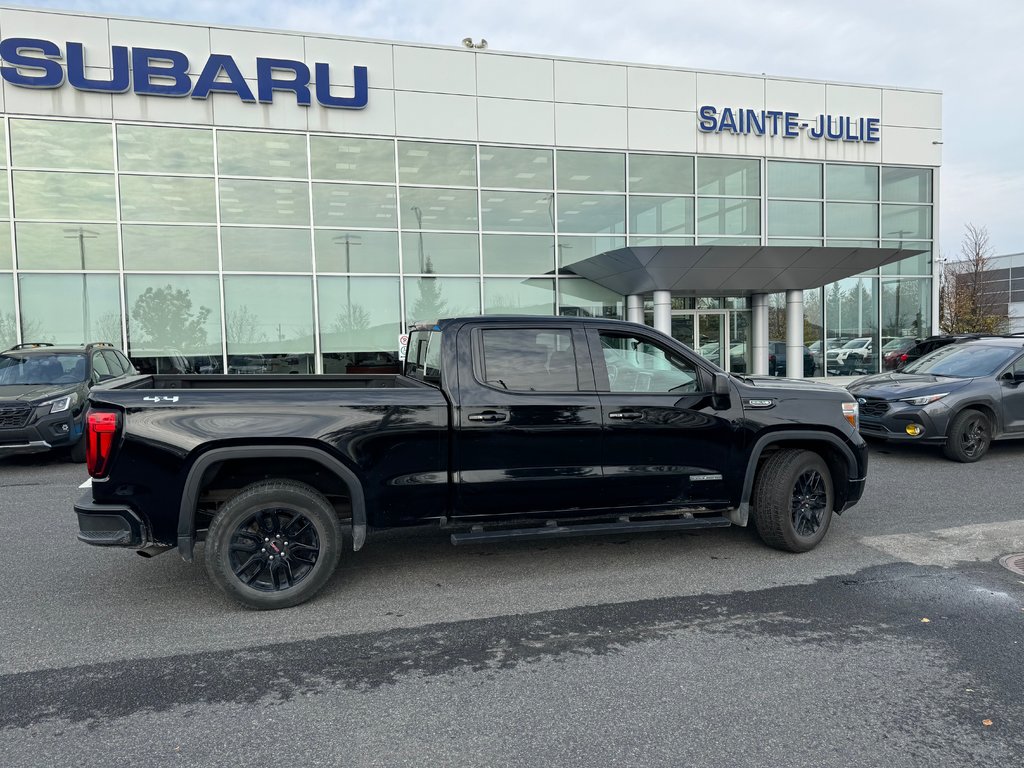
[(663, 311), (635, 308), (759, 333), (795, 334)]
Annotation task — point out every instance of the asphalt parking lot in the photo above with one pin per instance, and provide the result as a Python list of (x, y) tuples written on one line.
[(898, 642)]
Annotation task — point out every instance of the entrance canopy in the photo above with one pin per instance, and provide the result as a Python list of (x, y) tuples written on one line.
[(729, 270)]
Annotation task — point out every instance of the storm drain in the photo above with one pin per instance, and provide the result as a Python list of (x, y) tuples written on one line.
[(1013, 563)]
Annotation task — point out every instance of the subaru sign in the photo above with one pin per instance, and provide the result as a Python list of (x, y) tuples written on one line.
[(788, 125)]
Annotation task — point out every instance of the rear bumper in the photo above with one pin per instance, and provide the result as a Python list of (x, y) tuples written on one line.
[(110, 525)]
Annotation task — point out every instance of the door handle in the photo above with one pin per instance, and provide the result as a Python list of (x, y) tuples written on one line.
[(488, 416), (626, 415)]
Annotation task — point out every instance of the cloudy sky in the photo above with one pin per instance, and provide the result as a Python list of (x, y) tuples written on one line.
[(968, 50)]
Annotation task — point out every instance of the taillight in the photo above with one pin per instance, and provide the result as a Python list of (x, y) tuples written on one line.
[(903, 357), (100, 429)]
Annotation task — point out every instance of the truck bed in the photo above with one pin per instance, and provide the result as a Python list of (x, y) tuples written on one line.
[(269, 381)]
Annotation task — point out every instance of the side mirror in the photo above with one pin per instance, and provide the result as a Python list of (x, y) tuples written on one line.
[(720, 392)]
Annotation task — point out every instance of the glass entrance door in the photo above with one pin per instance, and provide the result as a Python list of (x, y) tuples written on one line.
[(704, 331)]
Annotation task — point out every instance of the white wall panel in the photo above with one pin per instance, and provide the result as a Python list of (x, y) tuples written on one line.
[(800, 148), (193, 41), (515, 77), (283, 114), (161, 109), (91, 32), (856, 151), (795, 96), (730, 144), (730, 91), (911, 109), (853, 101), (911, 146), (377, 118), (581, 83), (511, 121), (580, 125), (662, 89), (343, 55), (434, 71), (662, 130), (245, 47), (435, 115), (59, 102)]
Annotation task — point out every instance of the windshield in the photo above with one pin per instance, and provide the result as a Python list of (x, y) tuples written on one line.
[(42, 369), (856, 343), (963, 360), (896, 344)]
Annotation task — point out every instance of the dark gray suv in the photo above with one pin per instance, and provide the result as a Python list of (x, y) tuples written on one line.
[(962, 397)]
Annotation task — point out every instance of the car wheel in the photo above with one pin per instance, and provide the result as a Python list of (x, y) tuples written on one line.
[(969, 436), (793, 500), (274, 544)]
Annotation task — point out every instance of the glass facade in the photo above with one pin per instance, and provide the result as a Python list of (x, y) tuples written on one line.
[(273, 251)]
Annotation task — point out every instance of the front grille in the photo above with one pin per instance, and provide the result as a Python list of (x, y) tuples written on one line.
[(874, 409), (14, 416)]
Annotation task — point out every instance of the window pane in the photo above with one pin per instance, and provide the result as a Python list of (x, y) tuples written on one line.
[(264, 249), (156, 149), (431, 298), (591, 171), (661, 215), (906, 309), (345, 159), (582, 298), (907, 185), (60, 145), (173, 314), (637, 365), (718, 216), (263, 202), (358, 316), (793, 219), (512, 296), (640, 240), (907, 221), (6, 259), (167, 198), (573, 249), (794, 179), (424, 208), (67, 246), (518, 211), (661, 174), (440, 253), (155, 248), (354, 205), (443, 164), (64, 196), (518, 254), (530, 360), (86, 301), (516, 168), (728, 176), (728, 241), (921, 264), (851, 182), (796, 243), (851, 220), (267, 315), (5, 200), (851, 313), (246, 153), (341, 251), (8, 320), (3, 157), (592, 213)]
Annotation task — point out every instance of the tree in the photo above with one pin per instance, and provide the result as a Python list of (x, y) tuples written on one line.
[(430, 305), (969, 302), (164, 319), (243, 327)]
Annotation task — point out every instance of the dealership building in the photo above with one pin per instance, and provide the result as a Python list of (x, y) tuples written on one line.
[(275, 201)]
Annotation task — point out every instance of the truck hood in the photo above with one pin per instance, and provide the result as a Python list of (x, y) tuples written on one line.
[(896, 386), (33, 393), (774, 384)]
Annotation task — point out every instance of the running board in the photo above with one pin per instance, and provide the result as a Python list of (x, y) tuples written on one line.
[(554, 530)]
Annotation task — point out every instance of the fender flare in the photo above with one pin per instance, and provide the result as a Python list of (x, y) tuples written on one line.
[(190, 490), (741, 515)]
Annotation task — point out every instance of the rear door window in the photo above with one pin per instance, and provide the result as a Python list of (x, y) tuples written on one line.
[(529, 359)]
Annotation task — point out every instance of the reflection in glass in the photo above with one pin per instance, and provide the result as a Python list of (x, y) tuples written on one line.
[(728, 241), (86, 302), (661, 174), (263, 249), (361, 251), (421, 162), (902, 222), (425, 208), (518, 254), (518, 211), (576, 248), (360, 321), (851, 220), (728, 176), (6, 257), (722, 216), (168, 198), (582, 298), (173, 314), (921, 264), (440, 253), (67, 246), (851, 182), (354, 205), (591, 171), (62, 145), (814, 330), (794, 242), (268, 315), (64, 196), (787, 218), (661, 215), (263, 202), (8, 320), (155, 248), (801, 180), (645, 240), (851, 319), (906, 309), (346, 159), (516, 168), (513, 296), (431, 298), (907, 185), (592, 213), (161, 149), (250, 153)]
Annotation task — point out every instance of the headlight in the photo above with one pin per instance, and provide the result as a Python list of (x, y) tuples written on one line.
[(62, 403), (851, 412), (924, 399)]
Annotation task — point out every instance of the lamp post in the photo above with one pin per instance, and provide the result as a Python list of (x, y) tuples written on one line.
[(418, 212), (349, 240), (82, 234)]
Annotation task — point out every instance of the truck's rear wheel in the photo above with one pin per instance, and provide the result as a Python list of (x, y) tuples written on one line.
[(793, 500), (274, 544)]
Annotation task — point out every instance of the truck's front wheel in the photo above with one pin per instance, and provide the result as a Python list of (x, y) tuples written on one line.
[(274, 544), (793, 500)]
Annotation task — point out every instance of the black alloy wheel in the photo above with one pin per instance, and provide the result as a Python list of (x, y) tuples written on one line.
[(970, 435), (274, 549), (809, 502), (793, 499)]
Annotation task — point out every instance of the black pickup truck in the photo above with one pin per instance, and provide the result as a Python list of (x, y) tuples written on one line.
[(500, 428)]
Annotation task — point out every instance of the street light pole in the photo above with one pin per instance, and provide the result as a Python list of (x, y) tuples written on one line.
[(349, 240), (81, 234), (418, 212)]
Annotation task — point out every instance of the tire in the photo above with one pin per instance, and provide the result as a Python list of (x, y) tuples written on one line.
[(969, 436), (793, 500), (303, 538), (77, 453)]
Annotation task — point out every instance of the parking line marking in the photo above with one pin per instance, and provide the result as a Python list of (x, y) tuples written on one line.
[(946, 547), (86, 484)]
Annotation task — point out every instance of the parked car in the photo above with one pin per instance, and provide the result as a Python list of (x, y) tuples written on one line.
[(932, 343), (777, 360), (894, 351), (44, 390), (160, 361), (961, 396), (855, 356), (501, 428)]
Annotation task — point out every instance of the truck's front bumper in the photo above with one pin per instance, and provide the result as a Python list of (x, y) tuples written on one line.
[(110, 525)]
